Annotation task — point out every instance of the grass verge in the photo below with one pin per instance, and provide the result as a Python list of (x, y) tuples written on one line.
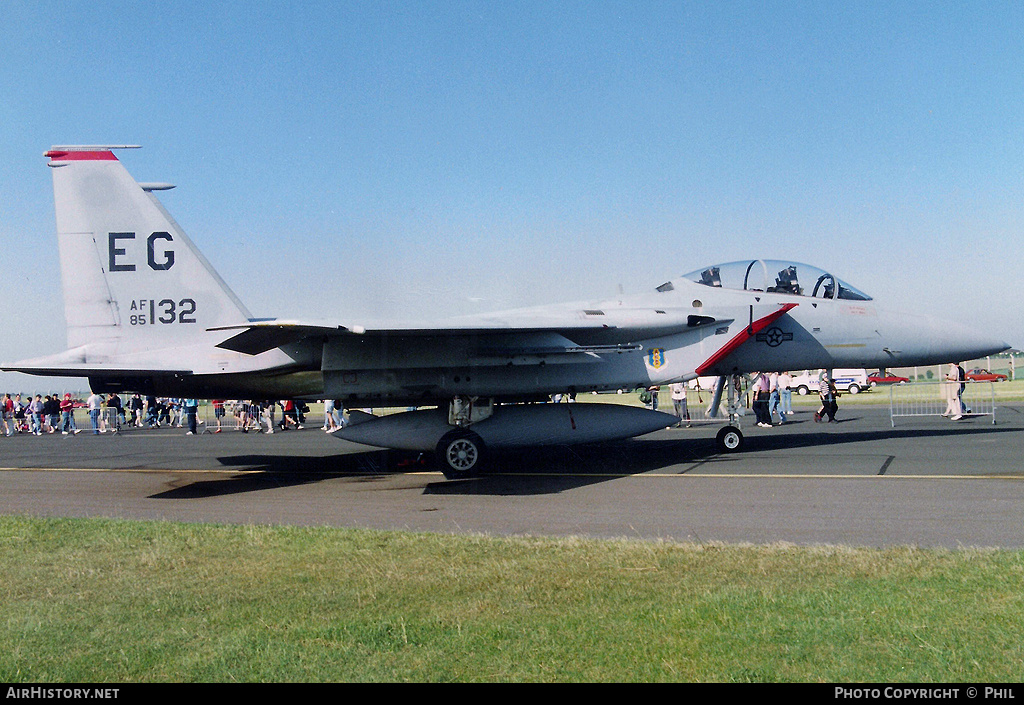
[(87, 600)]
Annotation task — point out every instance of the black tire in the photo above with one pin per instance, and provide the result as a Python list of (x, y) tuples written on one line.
[(461, 454), (854, 389), (802, 390), (729, 440)]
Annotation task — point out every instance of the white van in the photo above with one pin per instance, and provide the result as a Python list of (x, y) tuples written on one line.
[(852, 381)]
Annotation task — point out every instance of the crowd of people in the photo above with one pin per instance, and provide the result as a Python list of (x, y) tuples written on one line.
[(110, 413), (770, 396), (38, 415)]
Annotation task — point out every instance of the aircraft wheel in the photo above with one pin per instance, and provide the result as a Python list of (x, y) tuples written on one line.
[(729, 439), (461, 454)]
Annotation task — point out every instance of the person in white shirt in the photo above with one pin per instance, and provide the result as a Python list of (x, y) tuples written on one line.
[(679, 403), (95, 404), (785, 394), (953, 407)]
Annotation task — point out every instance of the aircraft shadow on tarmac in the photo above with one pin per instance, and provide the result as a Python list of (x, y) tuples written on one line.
[(265, 472), (538, 471), (560, 469)]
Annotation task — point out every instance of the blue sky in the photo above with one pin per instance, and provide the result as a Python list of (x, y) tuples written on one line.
[(397, 159)]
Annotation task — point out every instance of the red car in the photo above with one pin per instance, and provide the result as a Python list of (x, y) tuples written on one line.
[(882, 377), (980, 375)]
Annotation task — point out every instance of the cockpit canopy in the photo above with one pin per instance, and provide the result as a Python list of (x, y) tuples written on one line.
[(774, 276)]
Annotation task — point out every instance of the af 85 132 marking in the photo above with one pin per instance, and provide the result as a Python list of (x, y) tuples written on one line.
[(150, 311)]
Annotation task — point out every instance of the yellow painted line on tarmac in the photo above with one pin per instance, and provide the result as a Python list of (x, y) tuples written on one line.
[(432, 473), (240, 471), (752, 475), (852, 477)]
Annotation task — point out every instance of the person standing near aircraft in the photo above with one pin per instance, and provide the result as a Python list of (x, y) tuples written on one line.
[(961, 375), (7, 411), (774, 398), (67, 409), (18, 413), (678, 391), (176, 409), (53, 412), (762, 393), (288, 415), (94, 403), (218, 412), (165, 406), (152, 412), (330, 424), (828, 394), (268, 414), (115, 411), (953, 407), (191, 409), (135, 405), (35, 408), (653, 392), (785, 394)]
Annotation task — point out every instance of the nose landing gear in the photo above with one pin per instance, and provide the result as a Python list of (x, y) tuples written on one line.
[(729, 439)]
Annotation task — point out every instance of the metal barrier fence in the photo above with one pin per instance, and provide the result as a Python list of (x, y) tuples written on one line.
[(941, 399), (230, 416)]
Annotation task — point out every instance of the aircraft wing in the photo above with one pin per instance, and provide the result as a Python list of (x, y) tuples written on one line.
[(587, 331)]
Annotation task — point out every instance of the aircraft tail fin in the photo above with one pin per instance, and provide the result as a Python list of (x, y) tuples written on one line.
[(129, 272)]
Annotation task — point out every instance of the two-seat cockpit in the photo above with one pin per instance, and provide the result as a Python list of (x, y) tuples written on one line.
[(773, 276)]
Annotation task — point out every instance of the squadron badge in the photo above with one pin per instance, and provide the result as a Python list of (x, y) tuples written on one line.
[(656, 357)]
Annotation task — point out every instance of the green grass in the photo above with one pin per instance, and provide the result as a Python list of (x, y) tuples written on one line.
[(118, 601)]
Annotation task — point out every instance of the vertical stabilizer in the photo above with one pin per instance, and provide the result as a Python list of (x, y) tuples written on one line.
[(128, 270)]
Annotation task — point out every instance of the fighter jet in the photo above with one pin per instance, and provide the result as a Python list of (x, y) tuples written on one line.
[(146, 312)]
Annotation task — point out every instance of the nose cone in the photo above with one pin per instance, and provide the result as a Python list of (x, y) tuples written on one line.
[(924, 340)]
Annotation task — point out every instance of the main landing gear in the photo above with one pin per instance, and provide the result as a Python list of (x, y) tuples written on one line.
[(460, 453)]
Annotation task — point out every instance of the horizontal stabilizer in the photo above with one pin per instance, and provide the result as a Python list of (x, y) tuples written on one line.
[(94, 371), (78, 363)]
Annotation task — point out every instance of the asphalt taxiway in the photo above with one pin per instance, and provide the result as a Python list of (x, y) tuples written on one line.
[(858, 482)]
